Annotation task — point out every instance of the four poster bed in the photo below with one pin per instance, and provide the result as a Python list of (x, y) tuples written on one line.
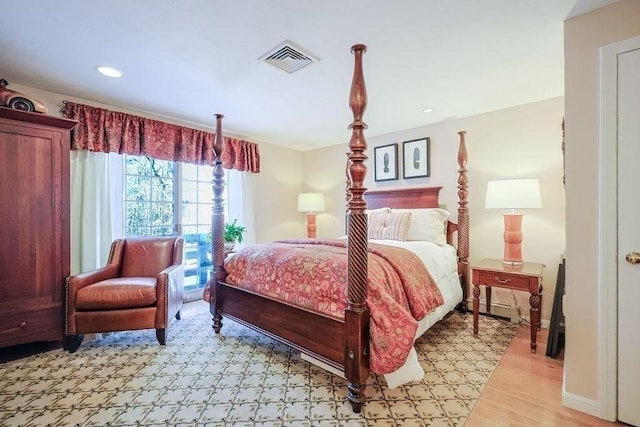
[(341, 338)]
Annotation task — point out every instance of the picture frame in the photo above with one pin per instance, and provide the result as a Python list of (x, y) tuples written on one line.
[(416, 158), (385, 161)]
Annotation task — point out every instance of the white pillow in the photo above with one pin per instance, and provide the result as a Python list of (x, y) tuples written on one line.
[(378, 210), (429, 224), (389, 226)]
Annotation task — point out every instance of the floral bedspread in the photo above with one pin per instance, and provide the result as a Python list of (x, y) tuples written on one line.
[(313, 274)]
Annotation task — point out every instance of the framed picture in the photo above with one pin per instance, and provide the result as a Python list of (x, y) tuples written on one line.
[(385, 161), (416, 158)]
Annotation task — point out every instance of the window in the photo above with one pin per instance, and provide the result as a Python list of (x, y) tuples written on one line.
[(154, 189), (196, 201), (148, 196)]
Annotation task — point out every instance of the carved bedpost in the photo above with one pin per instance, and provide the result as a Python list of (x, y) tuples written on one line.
[(217, 225), (463, 219), (356, 319), (347, 188)]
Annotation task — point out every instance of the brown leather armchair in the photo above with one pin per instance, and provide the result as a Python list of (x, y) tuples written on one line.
[(141, 287)]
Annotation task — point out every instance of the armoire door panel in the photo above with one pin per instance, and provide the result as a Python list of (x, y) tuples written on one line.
[(34, 215)]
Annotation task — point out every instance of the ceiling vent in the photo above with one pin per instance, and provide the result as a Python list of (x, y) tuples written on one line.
[(288, 57)]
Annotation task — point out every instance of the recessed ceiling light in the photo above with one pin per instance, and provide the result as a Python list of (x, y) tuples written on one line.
[(427, 110), (109, 72)]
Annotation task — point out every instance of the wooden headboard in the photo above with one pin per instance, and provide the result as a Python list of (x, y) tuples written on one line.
[(405, 198), (409, 198)]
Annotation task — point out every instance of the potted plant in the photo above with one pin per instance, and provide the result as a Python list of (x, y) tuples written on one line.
[(232, 234)]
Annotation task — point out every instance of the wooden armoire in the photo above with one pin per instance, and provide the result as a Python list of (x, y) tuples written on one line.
[(34, 225)]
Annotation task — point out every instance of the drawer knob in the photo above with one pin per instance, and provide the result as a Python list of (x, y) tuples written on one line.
[(503, 281), (23, 325)]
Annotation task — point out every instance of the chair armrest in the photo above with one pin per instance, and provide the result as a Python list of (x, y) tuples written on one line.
[(169, 291), (170, 278), (81, 280), (77, 282), (172, 268)]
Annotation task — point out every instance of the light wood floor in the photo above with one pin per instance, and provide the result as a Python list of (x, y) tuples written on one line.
[(526, 390)]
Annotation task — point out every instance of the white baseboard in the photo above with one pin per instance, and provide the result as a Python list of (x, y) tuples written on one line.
[(580, 403), (497, 309), (503, 310)]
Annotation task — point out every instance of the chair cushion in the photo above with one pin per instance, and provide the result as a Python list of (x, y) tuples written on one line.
[(118, 293)]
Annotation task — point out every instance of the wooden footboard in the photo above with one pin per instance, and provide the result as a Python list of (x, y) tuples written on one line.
[(319, 336), (341, 344)]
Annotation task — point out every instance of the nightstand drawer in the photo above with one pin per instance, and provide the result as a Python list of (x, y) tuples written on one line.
[(511, 281)]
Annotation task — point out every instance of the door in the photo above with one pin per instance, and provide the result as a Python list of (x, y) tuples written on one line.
[(196, 201), (629, 236), (153, 190)]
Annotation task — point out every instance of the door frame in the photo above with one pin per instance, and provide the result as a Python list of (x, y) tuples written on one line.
[(608, 229)]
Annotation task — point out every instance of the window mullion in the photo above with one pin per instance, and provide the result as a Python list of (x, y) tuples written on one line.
[(177, 198)]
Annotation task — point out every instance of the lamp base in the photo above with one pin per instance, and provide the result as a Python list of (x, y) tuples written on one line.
[(512, 239), (512, 263), (311, 225)]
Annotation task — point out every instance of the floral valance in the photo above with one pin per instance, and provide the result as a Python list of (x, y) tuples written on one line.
[(108, 131)]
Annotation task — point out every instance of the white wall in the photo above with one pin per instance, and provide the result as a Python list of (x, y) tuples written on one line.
[(584, 35), (523, 141), (277, 188)]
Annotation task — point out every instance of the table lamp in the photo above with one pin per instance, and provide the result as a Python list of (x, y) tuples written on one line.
[(513, 194), (311, 203)]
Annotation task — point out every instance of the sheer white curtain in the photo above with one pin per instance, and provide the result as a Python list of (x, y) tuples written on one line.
[(96, 207), (97, 186), (240, 194)]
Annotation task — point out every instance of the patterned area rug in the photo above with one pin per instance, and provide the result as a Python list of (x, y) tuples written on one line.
[(241, 378)]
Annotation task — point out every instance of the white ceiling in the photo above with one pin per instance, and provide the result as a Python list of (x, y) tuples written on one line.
[(190, 59)]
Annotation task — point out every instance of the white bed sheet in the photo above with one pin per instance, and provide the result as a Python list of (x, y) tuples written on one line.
[(442, 264)]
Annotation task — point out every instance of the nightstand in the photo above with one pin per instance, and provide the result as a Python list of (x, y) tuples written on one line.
[(526, 277)]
